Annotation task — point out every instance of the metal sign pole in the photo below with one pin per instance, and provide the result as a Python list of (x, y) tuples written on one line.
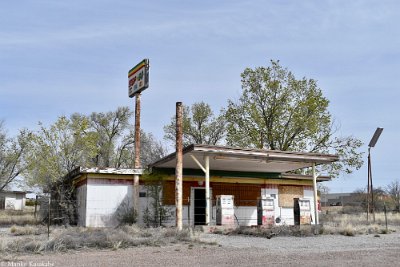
[(137, 155), (138, 80), (372, 190)]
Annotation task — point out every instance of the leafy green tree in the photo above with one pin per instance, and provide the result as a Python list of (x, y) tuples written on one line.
[(200, 126), (277, 111), (59, 148), (98, 140), (12, 151)]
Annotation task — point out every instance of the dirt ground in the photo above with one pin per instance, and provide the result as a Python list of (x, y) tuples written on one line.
[(364, 250)]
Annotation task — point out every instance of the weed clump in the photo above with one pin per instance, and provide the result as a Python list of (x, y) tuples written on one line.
[(27, 230)]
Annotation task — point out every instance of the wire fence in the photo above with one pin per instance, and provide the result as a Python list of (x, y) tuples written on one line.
[(155, 213)]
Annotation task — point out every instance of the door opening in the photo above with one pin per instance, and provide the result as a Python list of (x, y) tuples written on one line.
[(296, 210), (199, 206)]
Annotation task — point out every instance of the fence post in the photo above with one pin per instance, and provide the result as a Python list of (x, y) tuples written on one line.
[(36, 200), (48, 221), (384, 209)]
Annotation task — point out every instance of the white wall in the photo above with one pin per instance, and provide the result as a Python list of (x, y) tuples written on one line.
[(105, 201), (14, 201)]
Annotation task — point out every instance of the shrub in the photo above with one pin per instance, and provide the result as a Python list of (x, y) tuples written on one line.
[(348, 231), (30, 202)]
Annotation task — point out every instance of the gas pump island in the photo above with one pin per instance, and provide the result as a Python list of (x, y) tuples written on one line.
[(302, 211), (225, 210), (266, 211)]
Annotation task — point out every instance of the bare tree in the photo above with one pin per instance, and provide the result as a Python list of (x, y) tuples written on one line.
[(393, 190), (150, 150), (200, 126), (110, 127)]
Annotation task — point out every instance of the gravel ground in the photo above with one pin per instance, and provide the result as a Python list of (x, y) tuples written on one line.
[(363, 250)]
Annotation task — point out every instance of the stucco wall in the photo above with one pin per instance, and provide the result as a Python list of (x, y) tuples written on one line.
[(14, 201)]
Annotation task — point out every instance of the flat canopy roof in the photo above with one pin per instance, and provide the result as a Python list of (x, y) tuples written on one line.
[(245, 160)]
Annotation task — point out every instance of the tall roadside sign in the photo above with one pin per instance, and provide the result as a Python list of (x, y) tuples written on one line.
[(138, 80)]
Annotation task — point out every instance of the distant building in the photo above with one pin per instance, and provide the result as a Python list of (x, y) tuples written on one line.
[(12, 200), (340, 199)]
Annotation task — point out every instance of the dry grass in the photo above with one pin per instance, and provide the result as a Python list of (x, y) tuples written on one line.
[(304, 230), (76, 238), (334, 223), (17, 217), (355, 224), (27, 230)]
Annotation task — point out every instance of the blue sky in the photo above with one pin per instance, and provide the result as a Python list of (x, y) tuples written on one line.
[(60, 57)]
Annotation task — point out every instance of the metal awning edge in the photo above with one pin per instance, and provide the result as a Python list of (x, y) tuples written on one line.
[(254, 153)]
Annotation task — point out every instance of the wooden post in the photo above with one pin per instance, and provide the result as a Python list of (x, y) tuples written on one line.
[(36, 200), (136, 205), (179, 166)]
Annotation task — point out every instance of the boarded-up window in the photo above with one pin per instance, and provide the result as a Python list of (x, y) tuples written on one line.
[(245, 194), (169, 193), (287, 193)]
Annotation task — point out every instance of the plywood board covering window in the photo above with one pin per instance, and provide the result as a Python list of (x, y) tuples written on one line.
[(169, 193), (287, 193), (245, 195)]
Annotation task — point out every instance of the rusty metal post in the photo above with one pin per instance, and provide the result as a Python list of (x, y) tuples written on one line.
[(137, 164), (179, 166)]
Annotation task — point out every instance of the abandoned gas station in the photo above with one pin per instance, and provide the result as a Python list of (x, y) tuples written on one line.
[(205, 184), (221, 186), (226, 185)]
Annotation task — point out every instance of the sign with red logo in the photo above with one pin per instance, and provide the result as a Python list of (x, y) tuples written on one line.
[(138, 78)]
